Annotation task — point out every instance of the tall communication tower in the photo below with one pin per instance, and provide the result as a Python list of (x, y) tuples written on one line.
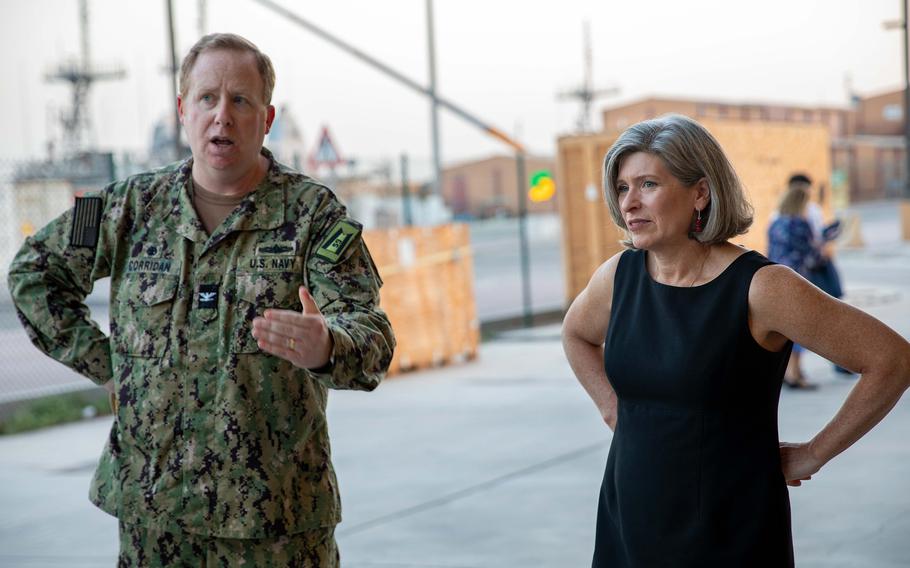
[(80, 74), (586, 93)]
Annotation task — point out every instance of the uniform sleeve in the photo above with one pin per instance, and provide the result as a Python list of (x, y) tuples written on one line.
[(346, 289), (49, 279)]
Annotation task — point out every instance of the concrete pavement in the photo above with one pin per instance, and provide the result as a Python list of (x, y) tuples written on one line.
[(497, 463)]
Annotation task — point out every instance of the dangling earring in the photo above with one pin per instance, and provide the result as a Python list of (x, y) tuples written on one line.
[(698, 226)]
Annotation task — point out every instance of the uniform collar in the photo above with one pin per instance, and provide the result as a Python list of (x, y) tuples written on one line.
[(262, 209)]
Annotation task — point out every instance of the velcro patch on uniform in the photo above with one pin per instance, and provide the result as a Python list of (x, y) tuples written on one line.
[(151, 265), (86, 220), (271, 263), (285, 248), (341, 235), (208, 296)]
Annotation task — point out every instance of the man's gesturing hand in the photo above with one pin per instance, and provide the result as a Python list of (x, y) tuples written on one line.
[(301, 338)]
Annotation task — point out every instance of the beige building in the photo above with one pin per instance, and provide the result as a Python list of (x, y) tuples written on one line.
[(867, 144), (489, 187), (872, 160), (881, 115), (838, 120)]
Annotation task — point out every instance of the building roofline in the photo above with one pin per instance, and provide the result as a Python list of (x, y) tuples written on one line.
[(882, 93), (477, 161), (741, 103)]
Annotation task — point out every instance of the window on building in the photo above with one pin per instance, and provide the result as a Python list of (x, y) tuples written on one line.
[(893, 113)]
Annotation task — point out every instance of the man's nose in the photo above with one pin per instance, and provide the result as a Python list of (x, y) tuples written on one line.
[(223, 113)]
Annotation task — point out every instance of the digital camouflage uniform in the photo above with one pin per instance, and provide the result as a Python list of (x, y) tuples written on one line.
[(212, 435), (143, 547)]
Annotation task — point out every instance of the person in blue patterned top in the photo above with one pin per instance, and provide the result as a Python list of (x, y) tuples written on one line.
[(791, 243)]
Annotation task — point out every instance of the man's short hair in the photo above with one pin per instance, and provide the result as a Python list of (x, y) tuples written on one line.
[(800, 180), (230, 42)]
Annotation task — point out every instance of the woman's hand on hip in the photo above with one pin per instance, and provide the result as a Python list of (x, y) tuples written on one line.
[(798, 463)]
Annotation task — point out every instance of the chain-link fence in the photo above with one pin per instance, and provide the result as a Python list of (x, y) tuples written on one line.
[(377, 192), (32, 193)]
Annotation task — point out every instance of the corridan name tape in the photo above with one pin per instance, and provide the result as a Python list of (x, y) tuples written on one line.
[(86, 217)]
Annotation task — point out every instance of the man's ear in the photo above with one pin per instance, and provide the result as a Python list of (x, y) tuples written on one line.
[(269, 118), (180, 108)]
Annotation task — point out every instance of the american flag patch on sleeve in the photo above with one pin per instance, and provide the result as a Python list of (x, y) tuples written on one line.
[(86, 219)]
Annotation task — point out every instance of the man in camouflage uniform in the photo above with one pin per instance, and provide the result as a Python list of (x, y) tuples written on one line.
[(240, 292)]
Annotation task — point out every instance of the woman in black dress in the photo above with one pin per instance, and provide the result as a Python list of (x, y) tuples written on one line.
[(682, 342)]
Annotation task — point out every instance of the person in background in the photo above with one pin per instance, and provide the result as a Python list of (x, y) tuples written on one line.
[(791, 242), (682, 342), (824, 273)]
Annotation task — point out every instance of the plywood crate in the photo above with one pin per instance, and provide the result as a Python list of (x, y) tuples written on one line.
[(764, 154), (428, 293)]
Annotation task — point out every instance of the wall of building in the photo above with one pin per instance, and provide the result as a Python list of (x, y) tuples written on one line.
[(867, 146), (840, 121), (881, 114), (764, 154), (489, 187)]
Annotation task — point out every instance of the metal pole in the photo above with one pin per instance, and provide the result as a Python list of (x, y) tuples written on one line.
[(173, 65), (83, 27), (527, 314), (201, 24), (406, 81), (906, 114), (434, 103), (405, 192)]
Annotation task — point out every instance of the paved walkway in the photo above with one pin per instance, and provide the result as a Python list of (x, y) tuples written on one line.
[(497, 463)]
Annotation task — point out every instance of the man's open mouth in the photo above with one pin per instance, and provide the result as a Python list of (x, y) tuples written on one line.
[(221, 141)]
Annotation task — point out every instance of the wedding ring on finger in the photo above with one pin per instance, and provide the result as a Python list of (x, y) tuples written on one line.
[(291, 344)]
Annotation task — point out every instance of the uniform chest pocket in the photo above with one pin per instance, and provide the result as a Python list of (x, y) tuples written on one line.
[(143, 325), (255, 293)]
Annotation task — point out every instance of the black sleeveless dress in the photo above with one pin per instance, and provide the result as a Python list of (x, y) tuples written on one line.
[(693, 477)]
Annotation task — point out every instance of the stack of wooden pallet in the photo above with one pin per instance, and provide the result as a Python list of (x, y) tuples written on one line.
[(428, 293)]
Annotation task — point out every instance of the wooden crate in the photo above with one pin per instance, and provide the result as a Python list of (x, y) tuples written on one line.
[(764, 155), (428, 293)]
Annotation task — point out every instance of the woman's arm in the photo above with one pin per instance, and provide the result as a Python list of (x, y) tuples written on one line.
[(583, 331), (784, 305)]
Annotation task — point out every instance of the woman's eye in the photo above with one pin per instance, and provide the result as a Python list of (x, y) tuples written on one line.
[(649, 184), (622, 189)]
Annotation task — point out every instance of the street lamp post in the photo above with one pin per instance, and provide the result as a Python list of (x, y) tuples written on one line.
[(904, 207), (906, 114)]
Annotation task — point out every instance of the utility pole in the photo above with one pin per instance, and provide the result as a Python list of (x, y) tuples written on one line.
[(448, 105), (173, 69), (434, 103), (405, 192), (201, 23), (904, 24), (81, 74), (586, 93), (906, 113)]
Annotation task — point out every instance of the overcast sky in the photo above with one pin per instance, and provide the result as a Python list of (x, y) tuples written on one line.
[(504, 60)]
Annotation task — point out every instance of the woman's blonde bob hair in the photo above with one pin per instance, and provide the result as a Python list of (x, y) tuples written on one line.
[(690, 153), (793, 202)]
